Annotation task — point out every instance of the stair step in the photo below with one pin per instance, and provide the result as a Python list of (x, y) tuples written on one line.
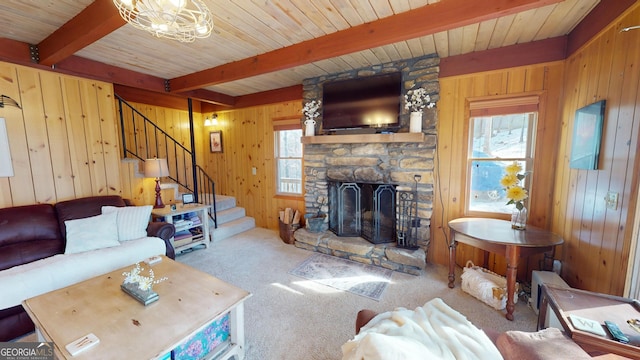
[(228, 215), (233, 227), (224, 202)]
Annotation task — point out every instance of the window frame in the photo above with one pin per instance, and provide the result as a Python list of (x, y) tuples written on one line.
[(495, 106), (277, 128)]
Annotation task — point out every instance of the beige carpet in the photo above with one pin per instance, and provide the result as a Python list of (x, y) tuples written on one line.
[(292, 318), (289, 318)]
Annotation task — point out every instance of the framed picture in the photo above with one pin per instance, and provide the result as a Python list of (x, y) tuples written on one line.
[(587, 136), (215, 139), (188, 198)]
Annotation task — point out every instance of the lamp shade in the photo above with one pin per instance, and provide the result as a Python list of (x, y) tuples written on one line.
[(156, 168)]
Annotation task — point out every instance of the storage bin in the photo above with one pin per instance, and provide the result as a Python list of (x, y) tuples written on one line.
[(486, 286)]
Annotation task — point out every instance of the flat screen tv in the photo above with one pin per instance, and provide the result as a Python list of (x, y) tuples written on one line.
[(365, 102)]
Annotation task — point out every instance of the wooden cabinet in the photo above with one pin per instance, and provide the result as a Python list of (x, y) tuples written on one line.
[(191, 222)]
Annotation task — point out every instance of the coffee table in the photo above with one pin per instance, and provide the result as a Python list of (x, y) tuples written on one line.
[(190, 301)]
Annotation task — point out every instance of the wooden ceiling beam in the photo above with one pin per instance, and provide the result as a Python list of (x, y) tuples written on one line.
[(209, 96), (535, 52), (132, 94), (602, 14), (16, 52), (78, 66), (290, 93), (429, 19), (94, 22)]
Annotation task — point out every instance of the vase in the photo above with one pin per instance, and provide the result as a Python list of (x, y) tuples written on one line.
[(415, 122), (310, 127), (519, 219)]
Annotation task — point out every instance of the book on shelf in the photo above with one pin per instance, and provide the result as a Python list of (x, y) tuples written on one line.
[(182, 234), (183, 223)]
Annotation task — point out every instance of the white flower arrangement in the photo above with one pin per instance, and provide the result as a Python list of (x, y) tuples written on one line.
[(418, 99), (311, 108), (144, 282)]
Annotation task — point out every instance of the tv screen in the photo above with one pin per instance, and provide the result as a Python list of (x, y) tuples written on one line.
[(364, 102)]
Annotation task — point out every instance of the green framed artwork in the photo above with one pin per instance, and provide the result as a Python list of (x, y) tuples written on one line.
[(587, 136)]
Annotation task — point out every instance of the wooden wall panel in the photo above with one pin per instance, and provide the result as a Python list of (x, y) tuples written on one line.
[(247, 139), (175, 123), (544, 79), (598, 239), (63, 141)]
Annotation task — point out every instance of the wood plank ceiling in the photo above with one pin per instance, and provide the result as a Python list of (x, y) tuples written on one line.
[(262, 45)]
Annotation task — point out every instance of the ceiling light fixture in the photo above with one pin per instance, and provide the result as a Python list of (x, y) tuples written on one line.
[(182, 20)]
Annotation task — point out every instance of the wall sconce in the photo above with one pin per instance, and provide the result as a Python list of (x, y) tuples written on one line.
[(6, 167), (630, 28), (213, 121), (156, 168), (5, 100)]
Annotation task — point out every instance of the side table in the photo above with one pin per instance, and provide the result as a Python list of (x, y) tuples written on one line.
[(595, 306), (189, 233)]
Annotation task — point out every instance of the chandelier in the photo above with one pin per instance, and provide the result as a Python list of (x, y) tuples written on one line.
[(182, 20)]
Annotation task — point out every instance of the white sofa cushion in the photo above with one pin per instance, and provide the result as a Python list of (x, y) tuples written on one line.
[(28, 280), (132, 220), (95, 232)]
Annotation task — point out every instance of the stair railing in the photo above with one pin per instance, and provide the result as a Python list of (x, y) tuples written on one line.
[(143, 139)]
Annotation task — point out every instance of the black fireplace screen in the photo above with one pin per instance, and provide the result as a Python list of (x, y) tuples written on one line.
[(366, 210)]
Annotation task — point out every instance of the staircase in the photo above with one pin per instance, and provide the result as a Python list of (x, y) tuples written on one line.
[(143, 139), (232, 220)]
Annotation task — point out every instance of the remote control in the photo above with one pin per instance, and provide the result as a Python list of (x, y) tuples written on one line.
[(615, 332)]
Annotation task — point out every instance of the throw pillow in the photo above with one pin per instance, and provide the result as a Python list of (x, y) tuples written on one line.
[(132, 220), (91, 233)]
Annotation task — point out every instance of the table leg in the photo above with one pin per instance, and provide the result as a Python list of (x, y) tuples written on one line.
[(513, 254), (452, 260)]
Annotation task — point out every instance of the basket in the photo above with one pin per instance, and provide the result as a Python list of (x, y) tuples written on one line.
[(486, 286), (286, 232)]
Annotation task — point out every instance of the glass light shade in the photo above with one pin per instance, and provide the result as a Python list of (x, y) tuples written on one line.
[(182, 20)]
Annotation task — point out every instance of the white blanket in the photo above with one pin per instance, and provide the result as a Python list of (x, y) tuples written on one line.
[(434, 331)]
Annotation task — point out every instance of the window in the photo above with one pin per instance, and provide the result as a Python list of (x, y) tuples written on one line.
[(288, 154), (500, 132)]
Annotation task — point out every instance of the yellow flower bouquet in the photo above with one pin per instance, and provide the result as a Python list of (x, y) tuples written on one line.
[(516, 193)]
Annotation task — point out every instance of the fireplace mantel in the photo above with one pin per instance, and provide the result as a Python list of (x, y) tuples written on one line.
[(364, 138)]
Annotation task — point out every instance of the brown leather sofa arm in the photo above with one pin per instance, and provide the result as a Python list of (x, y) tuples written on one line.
[(165, 231)]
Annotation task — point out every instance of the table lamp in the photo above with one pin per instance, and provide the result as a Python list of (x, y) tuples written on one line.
[(156, 168)]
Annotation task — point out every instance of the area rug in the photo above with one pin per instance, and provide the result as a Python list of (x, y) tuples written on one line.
[(347, 275)]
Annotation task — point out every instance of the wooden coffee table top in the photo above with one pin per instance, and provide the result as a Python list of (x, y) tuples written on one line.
[(189, 300)]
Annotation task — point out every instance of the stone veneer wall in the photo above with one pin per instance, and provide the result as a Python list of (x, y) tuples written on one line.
[(381, 163)]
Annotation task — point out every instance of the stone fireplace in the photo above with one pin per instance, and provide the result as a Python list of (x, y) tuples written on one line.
[(373, 159)]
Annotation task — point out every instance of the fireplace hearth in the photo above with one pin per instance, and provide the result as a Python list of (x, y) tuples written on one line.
[(363, 209)]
